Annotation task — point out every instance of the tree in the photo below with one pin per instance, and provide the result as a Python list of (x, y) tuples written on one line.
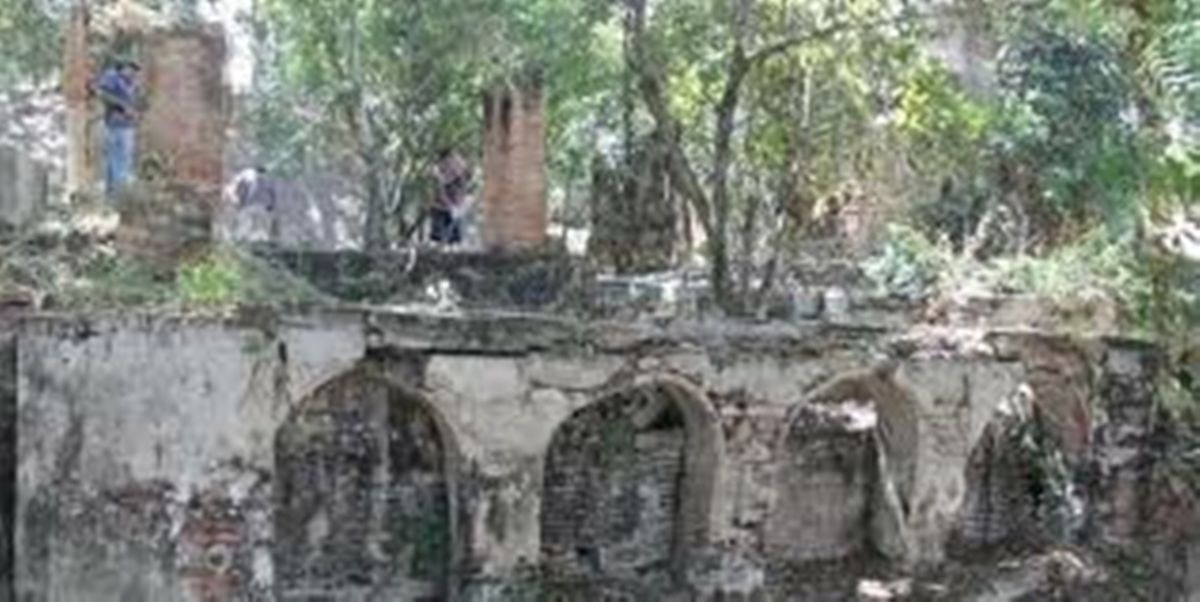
[(746, 35), (30, 31), (383, 74), (395, 80)]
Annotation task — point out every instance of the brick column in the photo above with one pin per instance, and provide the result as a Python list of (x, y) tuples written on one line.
[(181, 144), (183, 126), (76, 76), (514, 186)]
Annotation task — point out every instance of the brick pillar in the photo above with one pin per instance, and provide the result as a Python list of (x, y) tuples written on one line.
[(514, 184), (77, 74), (182, 130), (181, 144)]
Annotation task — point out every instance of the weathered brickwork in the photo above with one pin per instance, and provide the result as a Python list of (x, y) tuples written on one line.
[(826, 477), (164, 222), (514, 152), (1129, 395), (24, 188), (361, 505), (182, 129), (349, 455), (611, 494), (1000, 503), (638, 223)]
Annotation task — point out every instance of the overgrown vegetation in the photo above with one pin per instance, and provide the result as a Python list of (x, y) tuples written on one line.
[(993, 128), (1013, 146), (74, 270)]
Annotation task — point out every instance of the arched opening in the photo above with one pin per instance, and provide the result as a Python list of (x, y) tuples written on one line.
[(896, 422), (825, 480), (1017, 483), (845, 473), (627, 490), (363, 499)]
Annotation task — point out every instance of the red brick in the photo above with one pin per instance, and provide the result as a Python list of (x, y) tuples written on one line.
[(514, 187), (183, 124)]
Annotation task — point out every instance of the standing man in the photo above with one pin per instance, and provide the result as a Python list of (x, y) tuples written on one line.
[(453, 175), (256, 205), (117, 89)]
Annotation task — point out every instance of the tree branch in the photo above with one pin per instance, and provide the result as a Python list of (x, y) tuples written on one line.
[(781, 46), (680, 169)]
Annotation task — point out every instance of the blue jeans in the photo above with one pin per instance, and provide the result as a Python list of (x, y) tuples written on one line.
[(118, 158)]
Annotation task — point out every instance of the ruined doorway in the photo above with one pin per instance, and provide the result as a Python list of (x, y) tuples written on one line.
[(627, 487), (824, 484), (363, 500), (1016, 476), (846, 471)]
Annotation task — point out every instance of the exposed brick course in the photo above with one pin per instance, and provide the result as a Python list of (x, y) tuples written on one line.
[(182, 129), (514, 187)]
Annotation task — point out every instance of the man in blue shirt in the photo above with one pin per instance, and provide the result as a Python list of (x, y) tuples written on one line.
[(117, 89)]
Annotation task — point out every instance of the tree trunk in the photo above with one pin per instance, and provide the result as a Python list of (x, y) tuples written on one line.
[(375, 236), (725, 113), (713, 208), (651, 84), (719, 231)]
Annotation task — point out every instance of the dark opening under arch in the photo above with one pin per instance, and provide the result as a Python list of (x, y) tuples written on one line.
[(628, 490), (363, 500)]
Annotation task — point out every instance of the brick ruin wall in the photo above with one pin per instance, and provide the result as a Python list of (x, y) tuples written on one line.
[(514, 154), (826, 478), (8, 459), (638, 224), (346, 454), (612, 494), (362, 500), (181, 144), (24, 188), (182, 129)]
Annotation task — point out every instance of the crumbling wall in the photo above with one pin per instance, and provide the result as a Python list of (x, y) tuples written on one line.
[(611, 498), (1125, 457), (172, 458), (182, 129), (525, 281), (637, 221), (164, 222), (24, 188), (1000, 504), (8, 458), (181, 144), (160, 489), (514, 152), (827, 475), (362, 499)]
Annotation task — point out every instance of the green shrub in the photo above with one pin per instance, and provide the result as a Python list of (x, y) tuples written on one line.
[(215, 279), (113, 280), (909, 265)]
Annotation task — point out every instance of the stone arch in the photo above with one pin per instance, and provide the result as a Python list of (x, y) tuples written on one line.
[(366, 502), (897, 424), (847, 462), (824, 482), (628, 489), (1008, 477)]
